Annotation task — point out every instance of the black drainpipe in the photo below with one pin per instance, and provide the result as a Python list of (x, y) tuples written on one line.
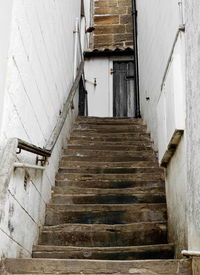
[(135, 45)]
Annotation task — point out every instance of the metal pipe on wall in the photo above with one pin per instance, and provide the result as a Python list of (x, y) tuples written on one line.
[(136, 82), (181, 16), (76, 33)]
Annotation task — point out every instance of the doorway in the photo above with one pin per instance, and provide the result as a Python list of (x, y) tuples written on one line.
[(123, 89)]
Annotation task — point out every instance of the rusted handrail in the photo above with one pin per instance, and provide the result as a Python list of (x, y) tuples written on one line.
[(23, 145)]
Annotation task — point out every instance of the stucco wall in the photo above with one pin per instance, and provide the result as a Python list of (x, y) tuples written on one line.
[(192, 11), (39, 77), (158, 23)]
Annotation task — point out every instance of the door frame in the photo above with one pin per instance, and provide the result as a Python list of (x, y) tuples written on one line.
[(111, 61)]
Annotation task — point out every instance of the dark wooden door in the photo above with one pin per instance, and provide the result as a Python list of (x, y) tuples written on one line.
[(123, 89)]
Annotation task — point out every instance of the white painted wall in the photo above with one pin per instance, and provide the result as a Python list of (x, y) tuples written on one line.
[(192, 11), (171, 111), (158, 23), (5, 24), (40, 66), (38, 79)]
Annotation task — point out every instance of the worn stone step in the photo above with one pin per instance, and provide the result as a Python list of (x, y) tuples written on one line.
[(92, 170), (106, 191), (75, 266), (111, 148), (164, 251), (110, 177), (109, 128), (111, 198), (97, 142), (111, 184), (84, 152), (104, 165), (130, 139), (107, 120), (102, 235), (106, 158), (105, 125), (134, 135), (105, 214)]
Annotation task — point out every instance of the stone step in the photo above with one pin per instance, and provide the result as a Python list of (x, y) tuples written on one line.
[(106, 191), (110, 177), (115, 153), (111, 158), (130, 139), (102, 235), (112, 184), (108, 120), (111, 124), (111, 148), (164, 251), (104, 165), (76, 266), (105, 214), (122, 135), (110, 128), (97, 142), (111, 198), (107, 156), (99, 170)]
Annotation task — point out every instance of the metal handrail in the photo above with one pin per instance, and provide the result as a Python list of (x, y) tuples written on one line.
[(47, 150), (23, 145), (8, 158)]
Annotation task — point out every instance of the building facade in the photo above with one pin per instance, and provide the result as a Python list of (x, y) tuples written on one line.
[(109, 62)]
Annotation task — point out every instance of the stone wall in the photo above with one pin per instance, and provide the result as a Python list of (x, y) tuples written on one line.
[(113, 23)]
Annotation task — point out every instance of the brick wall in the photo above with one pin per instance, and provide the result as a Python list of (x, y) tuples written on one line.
[(113, 23)]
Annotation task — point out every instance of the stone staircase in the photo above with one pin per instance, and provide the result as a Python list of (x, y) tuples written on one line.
[(108, 209)]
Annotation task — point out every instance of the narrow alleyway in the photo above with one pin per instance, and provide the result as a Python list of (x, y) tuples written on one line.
[(108, 204)]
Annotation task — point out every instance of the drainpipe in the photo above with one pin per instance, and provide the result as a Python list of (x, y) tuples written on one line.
[(181, 16), (135, 45), (76, 33)]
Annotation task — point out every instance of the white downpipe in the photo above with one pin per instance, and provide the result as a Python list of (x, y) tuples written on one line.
[(83, 34), (181, 16), (76, 32)]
